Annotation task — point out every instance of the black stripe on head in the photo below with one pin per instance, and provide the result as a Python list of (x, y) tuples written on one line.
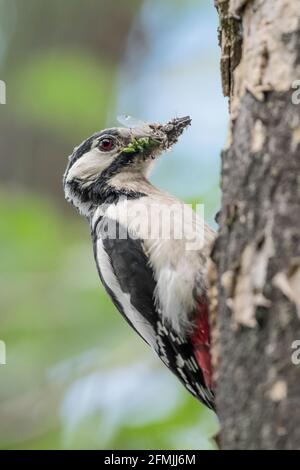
[(86, 145), (101, 191)]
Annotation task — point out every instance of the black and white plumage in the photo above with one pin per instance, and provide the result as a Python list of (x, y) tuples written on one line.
[(157, 282)]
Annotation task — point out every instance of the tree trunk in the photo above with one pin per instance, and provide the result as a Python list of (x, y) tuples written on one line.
[(256, 258)]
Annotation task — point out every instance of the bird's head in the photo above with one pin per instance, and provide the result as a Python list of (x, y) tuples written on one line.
[(114, 161)]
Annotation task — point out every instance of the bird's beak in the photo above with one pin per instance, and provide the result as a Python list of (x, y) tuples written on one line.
[(173, 129), (156, 137)]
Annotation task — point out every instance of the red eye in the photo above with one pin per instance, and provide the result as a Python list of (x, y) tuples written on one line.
[(106, 144)]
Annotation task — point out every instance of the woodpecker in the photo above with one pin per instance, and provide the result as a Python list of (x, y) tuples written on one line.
[(154, 273)]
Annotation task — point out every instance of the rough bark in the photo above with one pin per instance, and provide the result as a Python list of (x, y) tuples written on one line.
[(256, 258)]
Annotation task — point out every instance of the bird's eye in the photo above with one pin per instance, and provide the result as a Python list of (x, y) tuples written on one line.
[(106, 144)]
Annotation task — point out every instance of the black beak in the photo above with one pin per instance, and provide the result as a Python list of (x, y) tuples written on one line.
[(174, 128)]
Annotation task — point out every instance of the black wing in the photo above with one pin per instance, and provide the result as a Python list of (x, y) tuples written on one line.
[(135, 276)]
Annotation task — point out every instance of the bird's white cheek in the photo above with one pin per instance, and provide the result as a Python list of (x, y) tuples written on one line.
[(90, 165)]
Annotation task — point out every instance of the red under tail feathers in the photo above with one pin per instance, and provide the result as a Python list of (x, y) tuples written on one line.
[(200, 340)]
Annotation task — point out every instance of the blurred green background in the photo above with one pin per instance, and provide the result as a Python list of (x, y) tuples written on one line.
[(76, 375)]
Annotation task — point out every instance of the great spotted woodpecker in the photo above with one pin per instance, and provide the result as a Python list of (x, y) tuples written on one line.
[(151, 250)]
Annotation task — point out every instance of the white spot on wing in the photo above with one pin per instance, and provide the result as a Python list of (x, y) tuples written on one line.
[(179, 361)]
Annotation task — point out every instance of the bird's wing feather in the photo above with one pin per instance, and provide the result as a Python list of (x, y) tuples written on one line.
[(123, 269)]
